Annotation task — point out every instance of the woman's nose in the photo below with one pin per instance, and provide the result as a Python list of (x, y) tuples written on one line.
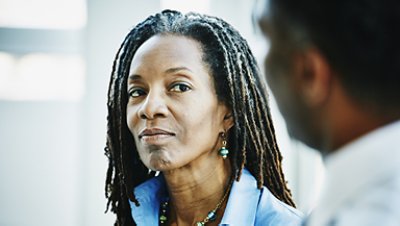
[(154, 106)]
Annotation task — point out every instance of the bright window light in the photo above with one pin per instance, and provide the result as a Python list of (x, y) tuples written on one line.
[(200, 6), (39, 76), (46, 14)]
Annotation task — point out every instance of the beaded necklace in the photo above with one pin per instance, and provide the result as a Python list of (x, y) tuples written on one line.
[(211, 216)]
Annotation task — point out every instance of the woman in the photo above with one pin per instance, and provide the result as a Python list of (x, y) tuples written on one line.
[(186, 100)]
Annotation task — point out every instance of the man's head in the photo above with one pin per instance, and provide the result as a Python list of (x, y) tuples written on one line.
[(331, 60)]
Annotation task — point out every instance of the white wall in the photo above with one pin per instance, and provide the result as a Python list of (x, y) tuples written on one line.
[(39, 164)]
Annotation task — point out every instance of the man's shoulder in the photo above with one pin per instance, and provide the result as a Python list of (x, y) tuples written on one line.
[(377, 205), (384, 193)]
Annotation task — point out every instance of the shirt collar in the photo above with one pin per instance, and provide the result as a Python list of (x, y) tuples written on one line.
[(243, 200), (240, 210), (149, 194)]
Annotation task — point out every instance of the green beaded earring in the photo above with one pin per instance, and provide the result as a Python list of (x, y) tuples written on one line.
[(223, 151)]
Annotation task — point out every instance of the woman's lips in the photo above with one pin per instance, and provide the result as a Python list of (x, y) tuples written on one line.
[(155, 135)]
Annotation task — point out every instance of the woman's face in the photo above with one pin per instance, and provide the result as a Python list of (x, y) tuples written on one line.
[(173, 112)]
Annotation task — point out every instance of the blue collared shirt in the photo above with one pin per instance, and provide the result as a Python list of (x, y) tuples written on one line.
[(247, 205)]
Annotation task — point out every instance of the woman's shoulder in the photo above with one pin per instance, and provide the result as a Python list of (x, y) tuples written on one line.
[(272, 211), (248, 205)]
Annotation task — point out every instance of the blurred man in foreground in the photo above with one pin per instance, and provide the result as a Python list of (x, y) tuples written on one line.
[(334, 68)]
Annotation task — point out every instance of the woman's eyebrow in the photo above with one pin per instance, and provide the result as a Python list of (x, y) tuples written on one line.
[(175, 72), (176, 69), (134, 77)]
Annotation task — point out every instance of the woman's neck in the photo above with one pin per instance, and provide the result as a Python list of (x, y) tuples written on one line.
[(196, 189)]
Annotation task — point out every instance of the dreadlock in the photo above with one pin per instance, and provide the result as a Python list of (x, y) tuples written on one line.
[(237, 84)]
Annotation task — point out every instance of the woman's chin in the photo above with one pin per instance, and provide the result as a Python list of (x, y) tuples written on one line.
[(160, 163)]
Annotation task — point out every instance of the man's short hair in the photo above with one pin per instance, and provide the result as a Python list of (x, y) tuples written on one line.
[(359, 38)]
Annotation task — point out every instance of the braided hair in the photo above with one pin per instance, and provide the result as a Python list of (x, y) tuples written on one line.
[(238, 84)]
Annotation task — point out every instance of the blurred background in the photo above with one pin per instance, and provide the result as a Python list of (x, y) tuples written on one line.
[(55, 62)]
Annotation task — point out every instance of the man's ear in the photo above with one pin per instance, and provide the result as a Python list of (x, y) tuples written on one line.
[(314, 77)]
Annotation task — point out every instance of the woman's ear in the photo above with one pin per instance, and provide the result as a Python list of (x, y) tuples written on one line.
[(228, 121)]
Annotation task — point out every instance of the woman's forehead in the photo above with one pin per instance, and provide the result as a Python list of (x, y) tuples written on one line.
[(163, 52)]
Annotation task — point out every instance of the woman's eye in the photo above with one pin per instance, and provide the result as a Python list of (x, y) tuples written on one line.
[(136, 92), (180, 88)]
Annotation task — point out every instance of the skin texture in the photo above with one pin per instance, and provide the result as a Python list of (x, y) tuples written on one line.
[(176, 120), (317, 108)]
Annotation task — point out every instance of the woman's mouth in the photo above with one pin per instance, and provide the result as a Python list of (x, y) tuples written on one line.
[(154, 135)]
